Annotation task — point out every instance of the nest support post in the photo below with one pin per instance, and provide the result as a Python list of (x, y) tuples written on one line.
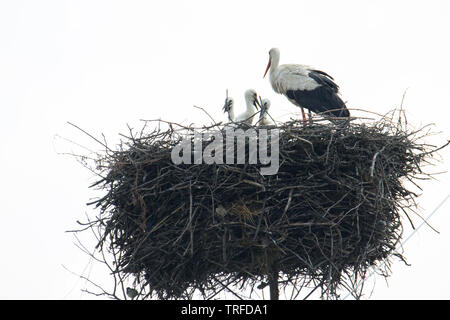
[(273, 280)]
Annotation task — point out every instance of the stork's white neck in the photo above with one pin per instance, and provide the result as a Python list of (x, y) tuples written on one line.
[(274, 59), (231, 113), (250, 106)]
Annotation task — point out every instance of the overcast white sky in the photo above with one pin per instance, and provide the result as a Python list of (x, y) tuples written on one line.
[(103, 64)]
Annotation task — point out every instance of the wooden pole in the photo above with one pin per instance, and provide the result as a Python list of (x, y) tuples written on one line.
[(273, 281)]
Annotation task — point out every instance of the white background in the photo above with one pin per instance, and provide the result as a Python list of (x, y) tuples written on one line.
[(105, 64)]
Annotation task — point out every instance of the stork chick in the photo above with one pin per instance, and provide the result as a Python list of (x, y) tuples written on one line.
[(264, 116), (248, 116), (229, 108)]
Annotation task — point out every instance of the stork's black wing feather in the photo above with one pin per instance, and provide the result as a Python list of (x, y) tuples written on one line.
[(322, 73), (324, 79), (320, 100)]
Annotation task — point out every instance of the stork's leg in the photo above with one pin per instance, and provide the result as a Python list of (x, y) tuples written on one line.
[(310, 116), (303, 115)]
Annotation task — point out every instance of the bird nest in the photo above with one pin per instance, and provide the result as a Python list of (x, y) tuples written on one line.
[(333, 209)]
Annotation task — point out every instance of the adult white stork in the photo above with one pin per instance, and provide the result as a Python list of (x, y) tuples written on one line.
[(307, 88), (248, 116), (263, 115)]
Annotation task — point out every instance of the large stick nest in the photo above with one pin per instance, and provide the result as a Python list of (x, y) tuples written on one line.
[(333, 209)]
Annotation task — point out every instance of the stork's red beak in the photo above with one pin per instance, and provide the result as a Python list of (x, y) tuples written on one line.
[(268, 67)]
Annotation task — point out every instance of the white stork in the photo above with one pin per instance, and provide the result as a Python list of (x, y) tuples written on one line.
[(263, 116), (307, 88), (248, 116), (228, 107)]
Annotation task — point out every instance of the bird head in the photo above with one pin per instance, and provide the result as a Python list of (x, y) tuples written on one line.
[(274, 53), (228, 104), (265, 105), (252, 97)]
